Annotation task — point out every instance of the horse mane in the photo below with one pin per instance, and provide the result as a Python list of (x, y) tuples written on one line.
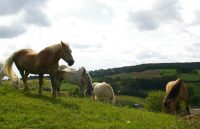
[(53, 48), (175, 90)]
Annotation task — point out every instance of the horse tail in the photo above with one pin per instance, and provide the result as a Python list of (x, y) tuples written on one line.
[(7, 67)]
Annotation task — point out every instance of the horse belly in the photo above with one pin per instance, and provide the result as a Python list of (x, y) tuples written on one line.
[(98, 91), (26, 63)]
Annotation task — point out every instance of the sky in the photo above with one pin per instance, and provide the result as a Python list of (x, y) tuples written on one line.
[(104, 33)]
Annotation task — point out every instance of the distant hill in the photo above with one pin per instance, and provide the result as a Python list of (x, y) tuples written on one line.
[(188, 66), (140, 80)]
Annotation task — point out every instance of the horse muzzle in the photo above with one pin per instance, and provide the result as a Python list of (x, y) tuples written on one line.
[(71, 62)]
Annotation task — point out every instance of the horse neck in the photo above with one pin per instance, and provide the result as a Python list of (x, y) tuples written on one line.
[(90, 82), (52, 53), (56, 56)]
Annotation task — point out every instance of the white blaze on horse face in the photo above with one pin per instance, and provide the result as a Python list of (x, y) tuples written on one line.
[(66, 54)]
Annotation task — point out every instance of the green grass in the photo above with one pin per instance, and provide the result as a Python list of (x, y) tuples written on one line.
[(124, 100), (135, 75), (190, 77), (28, 110), (167, 72), (195, 86), (147, 74)]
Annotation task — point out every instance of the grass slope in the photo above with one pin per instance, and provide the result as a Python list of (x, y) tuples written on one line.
[(28, 110), (129, 101)]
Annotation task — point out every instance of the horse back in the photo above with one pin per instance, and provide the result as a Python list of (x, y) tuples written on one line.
[(25, 59), (173, 89)]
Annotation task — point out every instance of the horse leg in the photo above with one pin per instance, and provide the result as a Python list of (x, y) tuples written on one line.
[(177, 107), (81, 91), (93, 96), (187, 107), (58, 82), (40, 84), (24, 78), (53, 85), (58, 90)]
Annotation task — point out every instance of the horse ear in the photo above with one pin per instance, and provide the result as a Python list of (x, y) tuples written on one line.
[(62, 43), (84, 70)]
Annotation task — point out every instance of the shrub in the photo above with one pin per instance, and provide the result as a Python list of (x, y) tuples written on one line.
[(154, 101), (195, 100)]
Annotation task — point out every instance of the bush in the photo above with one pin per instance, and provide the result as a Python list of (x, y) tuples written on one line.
[(154, 101), (195, 100)]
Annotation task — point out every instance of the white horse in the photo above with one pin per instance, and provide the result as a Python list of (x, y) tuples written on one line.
[(79, 77), (15, 81), (103, 91)]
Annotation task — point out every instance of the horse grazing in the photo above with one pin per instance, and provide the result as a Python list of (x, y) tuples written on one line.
[(15, 81), (103, 91), (79, 77), (46, 61), (176, 91)]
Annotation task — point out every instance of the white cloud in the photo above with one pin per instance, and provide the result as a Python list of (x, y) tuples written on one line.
[(11, 31), (163, 12), (21, 13), (104, 33)]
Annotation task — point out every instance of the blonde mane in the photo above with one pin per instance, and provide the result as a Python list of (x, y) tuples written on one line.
[(56, 47), (53, 48)]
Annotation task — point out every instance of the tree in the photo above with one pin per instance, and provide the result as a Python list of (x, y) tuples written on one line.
[(195, 100), (154, 101)]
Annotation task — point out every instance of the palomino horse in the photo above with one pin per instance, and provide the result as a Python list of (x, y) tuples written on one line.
[(103, 91), (28, 62), (15, 81), (78, 77), (176, 91)]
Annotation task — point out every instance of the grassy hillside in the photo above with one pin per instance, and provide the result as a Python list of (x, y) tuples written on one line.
[(129, 101), (28, 110)]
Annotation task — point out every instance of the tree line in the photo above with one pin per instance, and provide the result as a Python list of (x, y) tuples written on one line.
[(183, 67)]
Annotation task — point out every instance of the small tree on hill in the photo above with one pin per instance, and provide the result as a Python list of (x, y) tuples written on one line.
[(154, 101)]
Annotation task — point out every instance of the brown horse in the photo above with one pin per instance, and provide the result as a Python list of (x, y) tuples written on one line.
[(176, 91), (46, 61)]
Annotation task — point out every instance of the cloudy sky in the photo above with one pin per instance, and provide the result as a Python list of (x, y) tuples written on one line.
[(104, 33)]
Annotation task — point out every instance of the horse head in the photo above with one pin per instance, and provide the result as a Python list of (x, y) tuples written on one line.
[(112, 99), (86, 79), (66, 53), (168, 105)]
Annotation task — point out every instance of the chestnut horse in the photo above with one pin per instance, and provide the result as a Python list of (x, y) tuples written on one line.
[(46, 61), (176, 91)]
